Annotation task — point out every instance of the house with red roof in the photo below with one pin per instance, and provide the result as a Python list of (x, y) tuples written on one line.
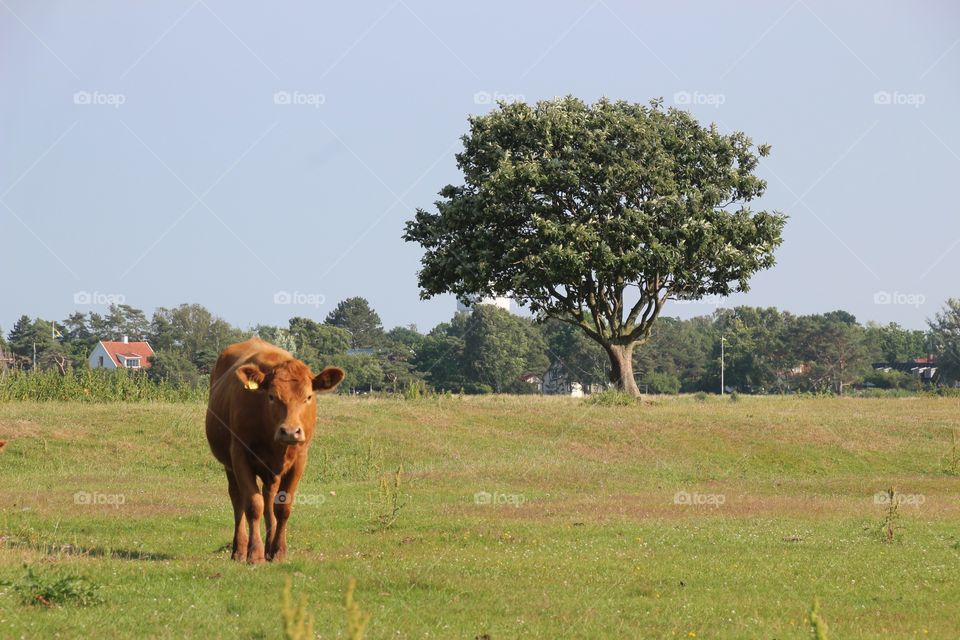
[(124, 354)]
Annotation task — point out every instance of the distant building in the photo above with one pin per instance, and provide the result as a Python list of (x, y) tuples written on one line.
[(120, 355), (923, 368), (497, 301)]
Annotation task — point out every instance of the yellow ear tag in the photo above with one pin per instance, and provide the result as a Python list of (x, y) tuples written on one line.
[(252, 385)]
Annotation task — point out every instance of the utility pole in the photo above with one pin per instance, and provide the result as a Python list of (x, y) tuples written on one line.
[(722, 340)]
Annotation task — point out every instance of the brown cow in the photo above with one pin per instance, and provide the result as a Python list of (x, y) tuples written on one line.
[(260, 419)]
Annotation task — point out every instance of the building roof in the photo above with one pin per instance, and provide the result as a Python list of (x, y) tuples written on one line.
[(143, 350)]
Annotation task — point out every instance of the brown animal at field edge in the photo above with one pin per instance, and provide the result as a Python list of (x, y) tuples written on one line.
[(260, 420)]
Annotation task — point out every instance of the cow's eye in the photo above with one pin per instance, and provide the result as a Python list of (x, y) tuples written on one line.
[(271, 397), (309, 398)]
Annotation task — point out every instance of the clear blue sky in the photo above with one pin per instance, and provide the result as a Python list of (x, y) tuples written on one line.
[(143, 152)]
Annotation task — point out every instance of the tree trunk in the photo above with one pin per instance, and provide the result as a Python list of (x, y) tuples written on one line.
[(621, 367)]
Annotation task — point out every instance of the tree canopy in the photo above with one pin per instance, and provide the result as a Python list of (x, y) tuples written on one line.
[(596, 215)]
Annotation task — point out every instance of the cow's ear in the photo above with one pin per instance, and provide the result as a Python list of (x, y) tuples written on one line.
[(328, 379), (250, 376)]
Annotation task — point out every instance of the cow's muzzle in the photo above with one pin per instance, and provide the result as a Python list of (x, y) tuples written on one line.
[(290, 435)]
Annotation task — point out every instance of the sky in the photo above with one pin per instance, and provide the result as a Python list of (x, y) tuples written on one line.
[(261, 158)]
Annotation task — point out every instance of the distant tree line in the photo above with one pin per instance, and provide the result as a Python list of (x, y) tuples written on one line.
[(488, 350)]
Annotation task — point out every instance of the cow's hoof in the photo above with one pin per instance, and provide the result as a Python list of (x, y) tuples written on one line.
[(255, 555), (239, 556), (276, 557)]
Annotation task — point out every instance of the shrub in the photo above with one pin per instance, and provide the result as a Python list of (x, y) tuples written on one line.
[(611, 398), (51, 591), (892, 380)]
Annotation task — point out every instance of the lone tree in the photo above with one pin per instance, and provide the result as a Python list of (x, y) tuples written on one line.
[(596, 215)]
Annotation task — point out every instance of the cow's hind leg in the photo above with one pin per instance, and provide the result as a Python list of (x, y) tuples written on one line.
[(239, 526)]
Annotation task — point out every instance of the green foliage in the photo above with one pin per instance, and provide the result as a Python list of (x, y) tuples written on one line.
[(499, 347), (357, 620), (945, 334), (278, 336), (175, 368), (661, 383), (818, 626), (564, 205), (94, 385), (893, 343), (892, 380), (51, 591), (389, 501), (297, 622), (833, 349), (440, 359), (681, 348), (193, 330), (574, 354), (891, 516), (364, 372), (362, 322)]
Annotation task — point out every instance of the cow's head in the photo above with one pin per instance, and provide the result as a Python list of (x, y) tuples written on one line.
[(286, 395)]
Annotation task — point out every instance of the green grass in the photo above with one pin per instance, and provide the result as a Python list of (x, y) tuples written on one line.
[(577, 533)]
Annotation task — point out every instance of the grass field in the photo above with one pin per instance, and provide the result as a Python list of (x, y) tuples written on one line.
[(515, 517)]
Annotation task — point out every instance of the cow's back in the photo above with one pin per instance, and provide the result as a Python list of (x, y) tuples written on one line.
[(226, 391)]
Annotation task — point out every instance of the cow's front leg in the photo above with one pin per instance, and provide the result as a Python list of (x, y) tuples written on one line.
[(271, 497), (250, 499), (283, 508), (239, 525)]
